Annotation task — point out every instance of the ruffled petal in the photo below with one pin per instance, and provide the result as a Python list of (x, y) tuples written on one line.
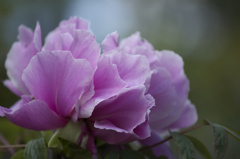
[(35, 115), (67, 26), (160, 150), (128, 44), (122, 114), (107, 83), (110, 42), (20, 55), (84, 46), (58, 79), (133, 69)]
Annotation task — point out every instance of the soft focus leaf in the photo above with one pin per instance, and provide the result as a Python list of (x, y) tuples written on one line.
[(54, 142), (184, 146), (200, 147), (230, 131), (112, 155), (18, 155), (150, 155), (36, 149), (221, 140), (130, 154)]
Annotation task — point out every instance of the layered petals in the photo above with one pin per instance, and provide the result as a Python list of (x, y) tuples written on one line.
[(35, 115), (110, 42), (107, 84), (121, 115), (58, 79)]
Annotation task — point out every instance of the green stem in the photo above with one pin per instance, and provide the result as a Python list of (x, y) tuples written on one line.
[(170, 137)]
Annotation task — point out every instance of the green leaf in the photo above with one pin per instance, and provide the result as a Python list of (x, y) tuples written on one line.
[(18, 155), (230, 131), (200, 147), (184, 146), (36, 149), (54, 142), (130, 154), (112, 155), (221, 140)]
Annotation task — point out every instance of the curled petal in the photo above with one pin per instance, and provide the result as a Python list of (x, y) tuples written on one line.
[(35, 115), (58, 79), (11, 87), (110, 42), (122, 114), (133, 69)]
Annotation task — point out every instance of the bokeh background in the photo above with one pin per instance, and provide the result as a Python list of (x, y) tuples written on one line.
[(206, 33)]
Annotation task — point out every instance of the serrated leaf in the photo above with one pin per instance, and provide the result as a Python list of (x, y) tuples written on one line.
[(112, 155), (184, 146), (36, 149), (221, 140), (200, 147), (130, 154), (18, 155)]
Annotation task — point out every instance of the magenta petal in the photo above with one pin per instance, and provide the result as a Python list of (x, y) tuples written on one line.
[(160, 150), (84, 46), (110, 42), (107, 83), (123, 113), (133, 69), (58, 79), (35, 115), (187, 118)]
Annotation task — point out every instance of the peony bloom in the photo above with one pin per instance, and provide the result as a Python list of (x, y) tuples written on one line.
[(50, 81), (167, 83)]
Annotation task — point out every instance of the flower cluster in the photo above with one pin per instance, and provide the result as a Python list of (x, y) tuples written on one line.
[(130, 92)]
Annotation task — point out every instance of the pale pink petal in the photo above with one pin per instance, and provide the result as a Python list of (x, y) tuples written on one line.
[(110, 42), (37, 38), (128, 44), (58, 79), (35, 115), (133, 69), (20, 55), (11, 87), (84, 46)]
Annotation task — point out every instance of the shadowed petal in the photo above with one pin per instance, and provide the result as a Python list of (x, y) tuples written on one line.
[(11, 87), (58, 79), (122, 114), (84, 46), (110, 42), (160, 150), (35, 115), (187, 118)]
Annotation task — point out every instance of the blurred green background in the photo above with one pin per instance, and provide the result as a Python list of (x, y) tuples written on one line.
[(206, 33)]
